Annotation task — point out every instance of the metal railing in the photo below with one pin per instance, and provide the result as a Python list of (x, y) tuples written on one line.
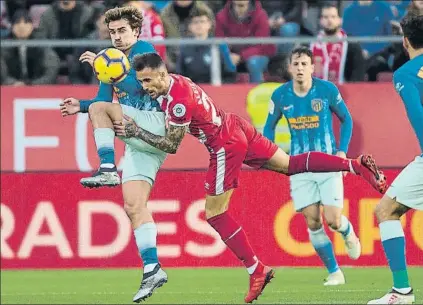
[(215, 67)]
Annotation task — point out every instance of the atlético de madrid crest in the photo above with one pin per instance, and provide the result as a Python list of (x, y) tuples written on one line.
[(317, 105)]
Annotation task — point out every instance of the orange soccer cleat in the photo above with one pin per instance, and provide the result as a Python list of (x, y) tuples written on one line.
[(258, 281)]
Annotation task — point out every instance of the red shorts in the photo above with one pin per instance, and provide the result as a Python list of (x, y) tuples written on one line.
[(245, 146)]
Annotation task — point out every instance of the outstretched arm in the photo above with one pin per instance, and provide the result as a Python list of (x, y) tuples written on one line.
[(168, 143)]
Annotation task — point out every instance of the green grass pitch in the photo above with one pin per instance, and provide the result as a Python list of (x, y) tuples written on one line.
[(197, 286)]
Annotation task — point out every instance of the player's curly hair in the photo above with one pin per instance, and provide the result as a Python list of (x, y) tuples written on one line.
[(412, 27), (129, 13)]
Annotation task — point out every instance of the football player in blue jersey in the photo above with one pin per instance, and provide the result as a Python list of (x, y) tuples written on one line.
[(141, 161), (406, 192), (308, 103)]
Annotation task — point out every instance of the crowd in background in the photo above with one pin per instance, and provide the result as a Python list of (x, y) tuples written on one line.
[(338, 62)]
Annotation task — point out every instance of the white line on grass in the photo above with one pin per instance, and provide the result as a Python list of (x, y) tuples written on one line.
[(50, 293)]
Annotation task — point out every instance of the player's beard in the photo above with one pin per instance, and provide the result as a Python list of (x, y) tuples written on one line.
[(330, 32)]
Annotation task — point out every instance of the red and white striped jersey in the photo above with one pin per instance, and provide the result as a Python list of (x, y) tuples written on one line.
[(187, 104), (152, 28)]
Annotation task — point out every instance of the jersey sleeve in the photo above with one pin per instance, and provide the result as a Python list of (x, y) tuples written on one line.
[(412, 100), (274, 115), (179, 113), (104, 94), (338, 106)]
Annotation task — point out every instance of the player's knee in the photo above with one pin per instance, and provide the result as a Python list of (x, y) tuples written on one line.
[(334, 222), (385, 209), (134, 208), (97, 107), (313, 223)]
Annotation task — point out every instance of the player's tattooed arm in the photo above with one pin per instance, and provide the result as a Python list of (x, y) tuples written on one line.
[(169, 143)]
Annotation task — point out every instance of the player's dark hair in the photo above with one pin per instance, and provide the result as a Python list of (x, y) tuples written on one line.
[(412, 27), (129, 13), (200, 12), (147, 60), (302, 50), (328, 6)]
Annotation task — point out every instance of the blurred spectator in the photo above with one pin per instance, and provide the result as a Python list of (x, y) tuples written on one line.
[(159, 5), (195, 61), (416, 7), (216, 5), (83, 73), (244, 18), (27, 66), (369, 18), (4, 20), (285, 20), (398, 8), (175, 17), (66, 19), (311, 13), (152, 26), (336, 61)]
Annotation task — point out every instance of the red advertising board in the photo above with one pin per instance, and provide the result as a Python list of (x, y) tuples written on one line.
[(36, 138), (49, 221)]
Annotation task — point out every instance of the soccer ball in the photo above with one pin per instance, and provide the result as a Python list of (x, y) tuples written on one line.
[(111, 66)]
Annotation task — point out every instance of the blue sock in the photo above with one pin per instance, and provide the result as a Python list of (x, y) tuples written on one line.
[(146, 239), (324, 249), (393, 241), (105, 142)]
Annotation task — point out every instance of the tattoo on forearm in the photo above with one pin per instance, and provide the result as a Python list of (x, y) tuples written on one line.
[(131, 130), (168, 143)]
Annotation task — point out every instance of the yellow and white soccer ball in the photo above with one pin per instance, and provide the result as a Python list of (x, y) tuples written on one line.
[(111, 66)]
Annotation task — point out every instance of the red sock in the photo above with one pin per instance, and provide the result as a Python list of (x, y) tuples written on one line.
[(234, 237), (317, 162)]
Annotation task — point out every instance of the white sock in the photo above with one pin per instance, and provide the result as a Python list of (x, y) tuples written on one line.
[(149, 267), (403, 290), (252, 268)]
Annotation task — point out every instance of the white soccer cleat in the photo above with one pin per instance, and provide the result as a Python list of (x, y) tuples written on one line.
[(150, 282), (103, 177), (335, 279), (353, 245), (394, 297)]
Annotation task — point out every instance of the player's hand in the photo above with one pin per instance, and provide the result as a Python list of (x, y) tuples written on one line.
[(342, 155), (88, 57), (235, 58), (69, 106), (127, 129)]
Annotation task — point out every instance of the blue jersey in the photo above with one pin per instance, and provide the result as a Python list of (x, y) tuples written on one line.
[(310, 117), (408, 82), (128, 91)]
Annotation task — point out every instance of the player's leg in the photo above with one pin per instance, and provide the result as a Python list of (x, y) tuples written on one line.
[(306, 197), (139, 172), (262, 153), (322, 244), (405, 193), (221, 179), (331, 187), (318, 162), (106, 112), (102, 115)]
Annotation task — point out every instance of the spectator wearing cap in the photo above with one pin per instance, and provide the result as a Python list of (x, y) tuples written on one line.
[(27, 66), (245, 18)]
